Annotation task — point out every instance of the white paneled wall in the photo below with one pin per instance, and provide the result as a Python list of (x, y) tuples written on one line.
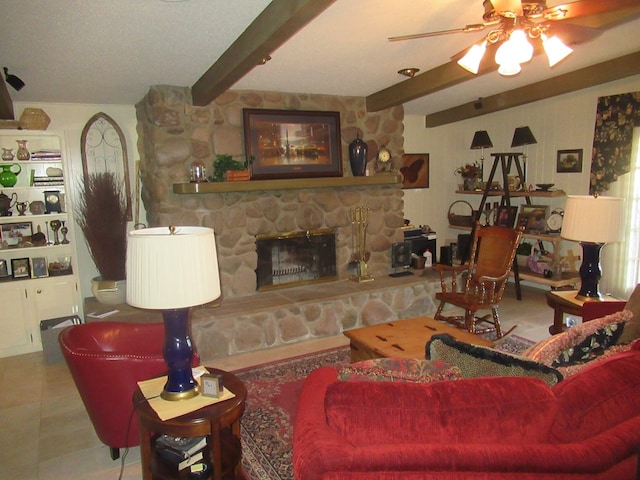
[(559, 123)]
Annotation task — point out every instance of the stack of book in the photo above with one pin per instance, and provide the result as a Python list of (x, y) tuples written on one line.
[(180, 452), (47, 181), (46, 155)]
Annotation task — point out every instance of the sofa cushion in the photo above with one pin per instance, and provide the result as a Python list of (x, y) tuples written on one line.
[(591, 346), (506, 410), (477, 361), (547, 351), (399, 370), (599, 397)]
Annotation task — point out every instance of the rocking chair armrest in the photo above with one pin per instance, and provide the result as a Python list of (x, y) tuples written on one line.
[(450, 268), (451, 272), (493, 279)]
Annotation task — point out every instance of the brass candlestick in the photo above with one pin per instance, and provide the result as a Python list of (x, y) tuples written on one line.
[(359, 217)]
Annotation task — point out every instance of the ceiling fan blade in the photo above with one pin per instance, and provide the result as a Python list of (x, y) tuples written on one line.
[(572, 34), (475, 27), (587, 7)]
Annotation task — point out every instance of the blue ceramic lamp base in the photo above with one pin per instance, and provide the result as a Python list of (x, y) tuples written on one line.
[(590, 272), (178, 353)]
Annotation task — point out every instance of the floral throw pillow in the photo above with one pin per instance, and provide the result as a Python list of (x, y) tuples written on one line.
[(399, 370), (590, 347)]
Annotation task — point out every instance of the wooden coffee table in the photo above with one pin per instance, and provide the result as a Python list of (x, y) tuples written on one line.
[(403, 338)]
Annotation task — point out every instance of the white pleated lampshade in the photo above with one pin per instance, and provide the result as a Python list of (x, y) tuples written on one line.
[(169, 271), (592, 219)]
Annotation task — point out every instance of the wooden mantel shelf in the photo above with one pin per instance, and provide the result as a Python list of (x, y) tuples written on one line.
[(285, 184)]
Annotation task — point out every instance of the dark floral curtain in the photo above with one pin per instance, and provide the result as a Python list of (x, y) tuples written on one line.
[(616, 117)]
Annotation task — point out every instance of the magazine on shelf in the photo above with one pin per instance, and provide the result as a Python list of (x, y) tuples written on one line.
[(180, 451)]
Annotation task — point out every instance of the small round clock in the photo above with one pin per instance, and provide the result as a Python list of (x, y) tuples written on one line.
[(383, 161), (52, 201), (554, 222)]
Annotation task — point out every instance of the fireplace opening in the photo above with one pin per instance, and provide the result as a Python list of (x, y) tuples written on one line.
[(296, 258)]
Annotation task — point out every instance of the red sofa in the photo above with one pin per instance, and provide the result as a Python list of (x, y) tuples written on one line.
[(586, 426)]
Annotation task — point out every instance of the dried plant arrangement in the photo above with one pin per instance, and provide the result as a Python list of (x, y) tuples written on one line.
[(101, 213)]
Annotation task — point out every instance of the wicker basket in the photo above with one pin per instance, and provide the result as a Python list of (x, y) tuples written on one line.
[(461, 220), (34, 119)]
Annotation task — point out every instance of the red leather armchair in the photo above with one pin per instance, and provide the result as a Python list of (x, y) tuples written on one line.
[(106, 360)]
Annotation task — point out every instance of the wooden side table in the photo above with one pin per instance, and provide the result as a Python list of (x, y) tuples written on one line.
[(565, 301), (220, 422)]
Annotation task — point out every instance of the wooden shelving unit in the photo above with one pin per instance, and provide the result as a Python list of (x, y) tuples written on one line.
[(522, 273)]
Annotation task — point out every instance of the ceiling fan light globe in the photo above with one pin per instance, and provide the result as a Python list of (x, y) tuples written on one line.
[(516, 49), (555, 49), (509, 69), (473, 57)]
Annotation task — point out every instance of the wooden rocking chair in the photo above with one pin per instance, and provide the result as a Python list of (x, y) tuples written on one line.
[(484, 276)]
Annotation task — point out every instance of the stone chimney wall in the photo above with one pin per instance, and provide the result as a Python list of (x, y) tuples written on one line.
[(173, 133)]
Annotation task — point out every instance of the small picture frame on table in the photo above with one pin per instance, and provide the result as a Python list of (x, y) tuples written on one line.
[(20, 268), (39, 267), (4, 269)]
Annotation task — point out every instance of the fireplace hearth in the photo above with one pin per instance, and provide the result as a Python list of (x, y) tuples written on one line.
[(296, 258)]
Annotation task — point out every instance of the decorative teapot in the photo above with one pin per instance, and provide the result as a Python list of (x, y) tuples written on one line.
[(6, 203), (9, 174)]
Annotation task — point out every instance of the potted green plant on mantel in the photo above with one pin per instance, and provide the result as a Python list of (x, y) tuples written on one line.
[(226, 169), (101, 213)]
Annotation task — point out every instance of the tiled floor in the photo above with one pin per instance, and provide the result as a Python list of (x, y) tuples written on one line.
[(47, 434)]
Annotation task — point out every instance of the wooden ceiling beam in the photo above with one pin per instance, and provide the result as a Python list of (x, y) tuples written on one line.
[(280, 21), (604, 72)]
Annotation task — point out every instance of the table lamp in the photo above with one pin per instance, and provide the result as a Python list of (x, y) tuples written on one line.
[(173, 269), (481, 141), (593, 221), (523, 136)]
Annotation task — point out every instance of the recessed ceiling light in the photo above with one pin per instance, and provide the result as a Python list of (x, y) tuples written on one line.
[(409, 72)]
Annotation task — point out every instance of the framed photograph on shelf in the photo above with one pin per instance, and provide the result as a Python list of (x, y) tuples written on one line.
[(533, 218), (415, 170), (292, 143), (16, 234), (506, 216), (39, 267), (4, 268), (569, 161), (20, 268)]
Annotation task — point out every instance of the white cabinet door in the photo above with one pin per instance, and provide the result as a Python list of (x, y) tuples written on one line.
[(15, 328), (54, 298)]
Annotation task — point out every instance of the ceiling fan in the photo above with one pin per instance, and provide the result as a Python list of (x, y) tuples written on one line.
[(511, 23)]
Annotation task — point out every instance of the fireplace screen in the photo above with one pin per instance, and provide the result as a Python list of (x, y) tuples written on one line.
[(296, 258)]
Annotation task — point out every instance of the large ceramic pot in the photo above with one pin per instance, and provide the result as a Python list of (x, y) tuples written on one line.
[(109, 292)]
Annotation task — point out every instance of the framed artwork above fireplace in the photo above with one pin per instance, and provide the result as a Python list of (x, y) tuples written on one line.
[(292, 143)]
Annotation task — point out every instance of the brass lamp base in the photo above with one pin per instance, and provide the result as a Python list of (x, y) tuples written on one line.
[(175, 396)]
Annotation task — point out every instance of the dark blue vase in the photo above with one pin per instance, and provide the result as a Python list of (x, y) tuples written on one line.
[(358, 157)]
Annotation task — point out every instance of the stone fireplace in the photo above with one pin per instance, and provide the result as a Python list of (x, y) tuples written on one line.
[(173, 133)]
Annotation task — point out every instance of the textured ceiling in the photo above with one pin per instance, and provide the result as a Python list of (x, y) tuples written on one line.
[(111, 51)]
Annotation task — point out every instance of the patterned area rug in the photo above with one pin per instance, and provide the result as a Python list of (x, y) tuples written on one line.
[(267, 424), (273, 391)]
